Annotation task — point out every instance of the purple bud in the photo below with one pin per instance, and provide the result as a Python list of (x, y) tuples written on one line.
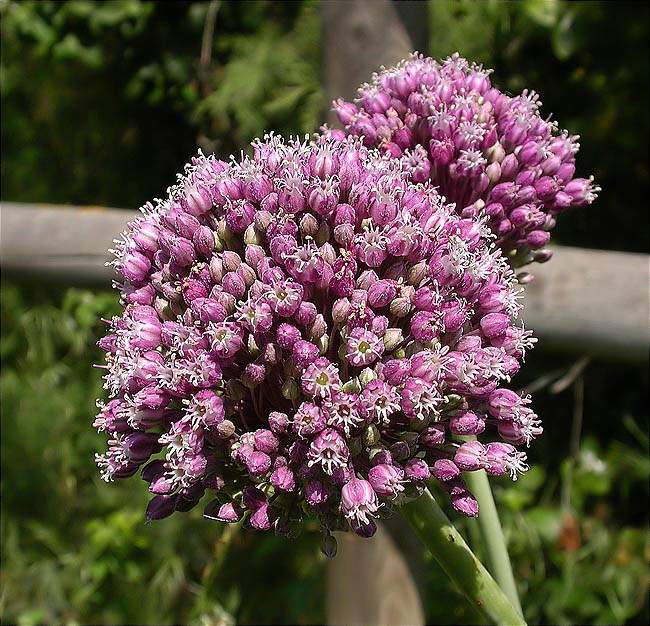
[(266, 441), (278, 422), (445, 470), (494, 324), (261, 518), (466, 504), (381, 293), (417, 469), (304, 353), (283, 479), (467, 423), (234, 284), (315, 493), (135, 266), (470, 456), (160, 507), (386, 480), (229, 512)]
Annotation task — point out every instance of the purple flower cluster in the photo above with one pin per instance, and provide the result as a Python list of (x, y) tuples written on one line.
[(491, 154), (308, 331)]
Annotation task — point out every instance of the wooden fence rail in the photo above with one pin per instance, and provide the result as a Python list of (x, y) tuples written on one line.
[(583, 301)]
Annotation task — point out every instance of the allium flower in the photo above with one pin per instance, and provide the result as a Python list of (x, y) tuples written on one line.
[(491, 154), (306, 331)]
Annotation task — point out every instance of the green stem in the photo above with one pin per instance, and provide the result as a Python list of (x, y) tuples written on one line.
[(493, 540), (459, 563)]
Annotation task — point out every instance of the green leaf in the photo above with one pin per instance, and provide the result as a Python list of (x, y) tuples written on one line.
[(542, 12), (563, 37)]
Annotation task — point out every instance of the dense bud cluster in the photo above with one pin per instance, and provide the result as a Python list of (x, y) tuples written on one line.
[(308, 331), (491, 154)]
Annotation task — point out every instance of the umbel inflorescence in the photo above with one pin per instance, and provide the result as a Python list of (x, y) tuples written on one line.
[(489, 153), (307, 331)]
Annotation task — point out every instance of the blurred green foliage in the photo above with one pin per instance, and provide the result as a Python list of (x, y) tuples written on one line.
[(93, 91), (125, 80)]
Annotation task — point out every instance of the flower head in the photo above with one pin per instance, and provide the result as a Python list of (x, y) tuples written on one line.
[(491, 154), (311, 321)]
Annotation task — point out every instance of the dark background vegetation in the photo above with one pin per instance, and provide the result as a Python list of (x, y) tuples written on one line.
[(102, 103)]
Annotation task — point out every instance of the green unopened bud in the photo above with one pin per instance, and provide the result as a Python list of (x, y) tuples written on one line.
[(417, 273), (323, 234), (352, 386), (290, 389), (328, 546), (221, 229), (176, 309), (225, 429), (373, 452), (252, 236), (399, 354), (371, 436), (367, 375), (495, 153), (409, 437), (163, 309), (400, 451), (355, 445), (219, 245), (322, 343), (451, 402), (253, 348), (392, 338), (235, 390), (308, 225), (414, 347), (400, 307)]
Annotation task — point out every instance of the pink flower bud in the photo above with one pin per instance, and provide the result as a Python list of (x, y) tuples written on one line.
[(494, 324)]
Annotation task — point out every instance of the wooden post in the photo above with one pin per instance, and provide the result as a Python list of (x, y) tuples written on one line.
[(370, 583), (358, 37)]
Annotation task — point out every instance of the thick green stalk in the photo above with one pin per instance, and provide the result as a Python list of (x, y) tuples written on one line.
[(494, 543), (459, 563)]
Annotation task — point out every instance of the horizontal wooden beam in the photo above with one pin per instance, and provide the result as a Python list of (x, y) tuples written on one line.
[(64, 243), (587, 301), (591, 301)]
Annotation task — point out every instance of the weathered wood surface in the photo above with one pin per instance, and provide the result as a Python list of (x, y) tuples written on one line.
[(358, 37), (587, 301), (369, 583), (591, 301), (65, 243)]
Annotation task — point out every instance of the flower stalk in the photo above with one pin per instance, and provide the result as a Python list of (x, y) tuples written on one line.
[(453, 554), (491, 535)]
